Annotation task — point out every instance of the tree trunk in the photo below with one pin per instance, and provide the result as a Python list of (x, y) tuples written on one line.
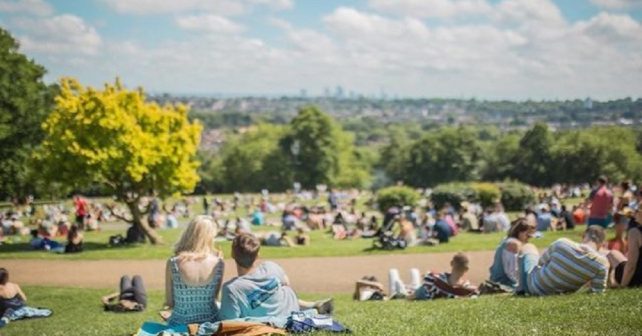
[(138, 221)]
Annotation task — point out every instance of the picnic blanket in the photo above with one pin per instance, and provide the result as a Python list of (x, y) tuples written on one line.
[(298, 322)]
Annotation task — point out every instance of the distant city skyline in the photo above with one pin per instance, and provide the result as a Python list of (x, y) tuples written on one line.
[(483, 49)]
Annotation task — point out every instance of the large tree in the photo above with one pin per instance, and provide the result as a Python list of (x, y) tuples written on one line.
[(254, 161), (24, 102), (533, 164), (582, 156), (115, 138), (320, 152), (447, 155)]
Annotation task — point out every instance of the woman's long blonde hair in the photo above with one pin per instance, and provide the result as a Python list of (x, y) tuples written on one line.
[(198, 237)]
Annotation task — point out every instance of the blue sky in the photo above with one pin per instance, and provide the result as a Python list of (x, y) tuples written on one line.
[(487, 49)]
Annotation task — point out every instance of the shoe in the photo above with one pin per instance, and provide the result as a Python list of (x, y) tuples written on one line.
[(3, 322)]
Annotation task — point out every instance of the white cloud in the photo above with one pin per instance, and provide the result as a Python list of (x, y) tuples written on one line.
[(209, 24), (150, 7), (432, 8), (618, 4), (219, 7), (34, 7), (520, 12), (523, 49), (63, 34), (275, 4)]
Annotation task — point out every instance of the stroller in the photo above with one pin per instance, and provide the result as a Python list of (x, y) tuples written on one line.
[(385, 238)]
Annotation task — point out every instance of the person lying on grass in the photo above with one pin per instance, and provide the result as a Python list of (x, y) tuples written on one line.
[(131, 297), (13, 302), (261, 289), (451, 284), (565, 267)]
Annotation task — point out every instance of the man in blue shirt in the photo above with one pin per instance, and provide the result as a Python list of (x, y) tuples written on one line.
[(261, 289)]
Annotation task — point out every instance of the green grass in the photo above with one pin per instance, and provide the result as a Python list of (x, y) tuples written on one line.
[(322, 246), (618, 312)]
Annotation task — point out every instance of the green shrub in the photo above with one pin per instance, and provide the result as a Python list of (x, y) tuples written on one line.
[(396, 196), (516, 196), (487, 193), (455, 193)]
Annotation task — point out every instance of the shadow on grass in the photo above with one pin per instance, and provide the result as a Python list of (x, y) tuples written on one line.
[(24, 247)]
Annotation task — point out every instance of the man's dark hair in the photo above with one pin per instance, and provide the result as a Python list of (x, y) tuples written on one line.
[(4, 276), (602, 179), (245, 249)]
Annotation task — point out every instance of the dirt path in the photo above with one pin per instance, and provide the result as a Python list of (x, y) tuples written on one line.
[(308, 275)]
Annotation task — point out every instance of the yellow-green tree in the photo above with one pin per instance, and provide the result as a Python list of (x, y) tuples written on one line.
[(115, 138)]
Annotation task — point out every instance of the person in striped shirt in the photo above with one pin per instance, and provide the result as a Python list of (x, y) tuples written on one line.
[(565, 267)]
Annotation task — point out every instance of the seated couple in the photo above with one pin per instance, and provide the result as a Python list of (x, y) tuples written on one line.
[(565, 267), (451, 284), (194, 279)]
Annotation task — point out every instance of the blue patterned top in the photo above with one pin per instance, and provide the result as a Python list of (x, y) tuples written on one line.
[(194, 304)]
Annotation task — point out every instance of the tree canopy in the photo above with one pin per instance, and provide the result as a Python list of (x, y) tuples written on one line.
[(24, 103), (114, 137)]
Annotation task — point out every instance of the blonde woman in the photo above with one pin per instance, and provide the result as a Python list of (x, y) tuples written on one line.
[(194, 275)]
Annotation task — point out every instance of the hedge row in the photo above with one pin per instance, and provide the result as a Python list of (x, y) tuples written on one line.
[(513, 195)]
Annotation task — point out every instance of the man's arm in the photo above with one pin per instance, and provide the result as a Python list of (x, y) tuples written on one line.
[(599, 281), (229, 306)]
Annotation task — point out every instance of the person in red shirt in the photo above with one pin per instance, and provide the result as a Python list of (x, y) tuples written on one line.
[(81, 210), (601, 204)]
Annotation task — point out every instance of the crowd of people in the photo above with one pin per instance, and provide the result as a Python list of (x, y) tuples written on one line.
[(261, 291)]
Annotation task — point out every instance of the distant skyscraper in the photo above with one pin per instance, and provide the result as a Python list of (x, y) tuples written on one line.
[(338, 93), (588, 103), (303, 93), (326, 92)]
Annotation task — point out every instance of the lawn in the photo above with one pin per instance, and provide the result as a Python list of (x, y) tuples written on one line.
[(322, 246), (78, 312)]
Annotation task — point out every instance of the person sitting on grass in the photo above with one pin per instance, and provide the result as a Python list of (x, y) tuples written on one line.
[(435, 285), (619, 242), (194, 275), (261, 289), (504, 268), (441, 230), (13, 302), (74, 240), (302, 238), (565, 267), (628, 270)]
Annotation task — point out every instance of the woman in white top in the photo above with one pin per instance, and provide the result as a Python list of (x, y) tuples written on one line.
[(194, 275)]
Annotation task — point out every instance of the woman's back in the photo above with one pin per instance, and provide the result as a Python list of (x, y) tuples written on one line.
[(195, 284), (10, 297)]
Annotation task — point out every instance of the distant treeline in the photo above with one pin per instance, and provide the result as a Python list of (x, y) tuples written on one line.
[(235, 112)]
